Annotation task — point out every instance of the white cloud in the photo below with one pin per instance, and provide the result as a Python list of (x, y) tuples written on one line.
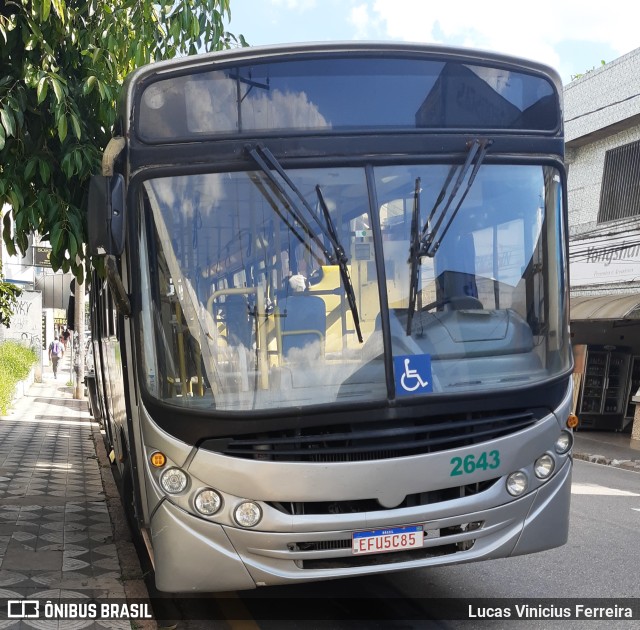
[(297, 5), (360, 17), (525, 30)]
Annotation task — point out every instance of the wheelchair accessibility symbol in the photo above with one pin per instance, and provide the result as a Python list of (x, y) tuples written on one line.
[(413, 374)]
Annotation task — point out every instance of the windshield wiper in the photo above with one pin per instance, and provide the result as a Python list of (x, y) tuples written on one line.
[(267, 164), (342, 263), (430, 240), (426, 242), (275, 203), (414, 254)]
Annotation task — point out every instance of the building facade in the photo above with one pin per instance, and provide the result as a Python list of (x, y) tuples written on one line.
[(40, 312), (602, 127)]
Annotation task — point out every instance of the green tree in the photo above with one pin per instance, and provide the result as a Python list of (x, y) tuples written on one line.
[(9, 294), (62, 63)]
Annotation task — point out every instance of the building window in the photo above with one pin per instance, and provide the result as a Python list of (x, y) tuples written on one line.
[(620, 195)]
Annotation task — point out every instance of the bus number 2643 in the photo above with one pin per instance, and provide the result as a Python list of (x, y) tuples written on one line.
[(471, 463)]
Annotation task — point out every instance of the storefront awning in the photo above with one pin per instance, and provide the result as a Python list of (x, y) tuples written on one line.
[(586, 307)]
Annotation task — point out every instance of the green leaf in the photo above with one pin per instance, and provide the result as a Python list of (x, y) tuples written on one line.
[(45, 170), (77, 157), (75, 123), (46, 8), (66, 166), (59, 7), (18, 114), (2, 137), (73, 246), (89, 84), (7, 236), (30, 168), (54, 239), (43, 87), (62, 127), (76, 225), (15, 200), (8, 121), (57, 88)]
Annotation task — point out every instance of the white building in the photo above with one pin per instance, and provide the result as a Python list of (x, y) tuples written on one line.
[(602, 127), (41, 309)]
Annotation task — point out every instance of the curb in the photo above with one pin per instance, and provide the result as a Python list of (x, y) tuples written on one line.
[(626, 464), (130, 570)]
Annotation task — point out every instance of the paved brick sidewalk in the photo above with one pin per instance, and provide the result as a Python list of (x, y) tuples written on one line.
[(57, 539)]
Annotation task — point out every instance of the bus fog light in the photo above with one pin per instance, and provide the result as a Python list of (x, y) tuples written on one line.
[(208, 502), (517, 483), (564, 442), (543, 466), (173, 480), (248, 514)]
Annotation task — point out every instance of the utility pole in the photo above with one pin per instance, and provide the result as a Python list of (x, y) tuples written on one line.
[(79, 353)]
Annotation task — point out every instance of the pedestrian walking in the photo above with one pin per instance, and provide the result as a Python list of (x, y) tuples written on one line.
[(56, 352), (65, 338)]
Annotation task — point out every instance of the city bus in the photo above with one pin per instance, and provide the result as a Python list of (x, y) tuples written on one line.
[(329, 311)]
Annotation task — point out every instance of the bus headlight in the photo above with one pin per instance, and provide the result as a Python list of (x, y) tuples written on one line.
[(208, 502), (173, 480), (564, 442), (517, 483), (543, 466), (248, 514)]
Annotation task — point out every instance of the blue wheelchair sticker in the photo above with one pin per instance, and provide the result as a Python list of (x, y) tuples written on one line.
[(413, 374)]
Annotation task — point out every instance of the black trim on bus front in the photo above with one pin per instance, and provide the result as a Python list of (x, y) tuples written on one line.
[(376, 147), (194, 425), (391, 439)]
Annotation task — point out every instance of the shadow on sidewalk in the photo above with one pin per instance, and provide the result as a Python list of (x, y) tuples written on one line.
[(77, 405)]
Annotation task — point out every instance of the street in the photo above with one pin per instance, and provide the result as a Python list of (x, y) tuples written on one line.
[(599, 561)]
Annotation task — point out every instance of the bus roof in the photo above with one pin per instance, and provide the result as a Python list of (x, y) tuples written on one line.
[(254, 53)]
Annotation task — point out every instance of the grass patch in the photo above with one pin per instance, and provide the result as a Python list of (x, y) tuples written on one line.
[(16, 361)]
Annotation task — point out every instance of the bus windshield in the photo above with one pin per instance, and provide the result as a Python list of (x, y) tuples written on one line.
[(246, 307)]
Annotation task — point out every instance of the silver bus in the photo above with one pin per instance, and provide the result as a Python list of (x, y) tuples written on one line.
[(330, 319)]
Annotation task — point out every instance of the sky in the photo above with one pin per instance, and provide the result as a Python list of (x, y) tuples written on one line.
[(572, 36)]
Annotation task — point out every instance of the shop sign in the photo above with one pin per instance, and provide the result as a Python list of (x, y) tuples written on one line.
[(605, 260), (41, 256)]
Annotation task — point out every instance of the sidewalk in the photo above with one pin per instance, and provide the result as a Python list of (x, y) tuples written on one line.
[(611, 448), (62, 529)]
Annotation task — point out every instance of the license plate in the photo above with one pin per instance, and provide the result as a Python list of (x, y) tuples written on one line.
[(385, 540)]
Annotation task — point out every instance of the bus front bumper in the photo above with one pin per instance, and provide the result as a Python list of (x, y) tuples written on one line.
[(196, 555)]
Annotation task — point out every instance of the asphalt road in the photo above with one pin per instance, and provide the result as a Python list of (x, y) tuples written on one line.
[(600, 560)]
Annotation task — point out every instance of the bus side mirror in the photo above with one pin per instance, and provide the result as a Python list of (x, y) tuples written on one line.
[(105, 218)]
